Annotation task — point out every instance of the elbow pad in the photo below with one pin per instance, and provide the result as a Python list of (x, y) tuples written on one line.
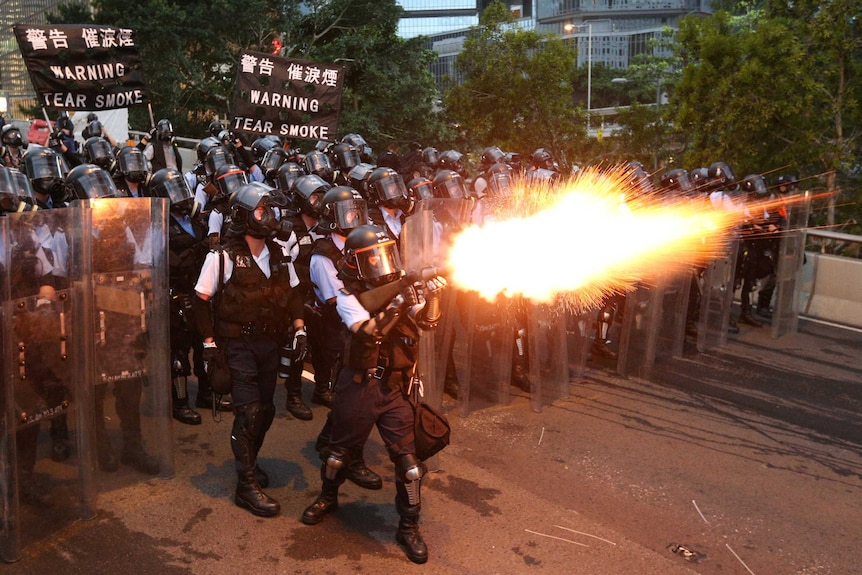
[(203, 318)]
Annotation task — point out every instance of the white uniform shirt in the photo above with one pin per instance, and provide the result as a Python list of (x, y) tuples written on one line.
[(324, 275)]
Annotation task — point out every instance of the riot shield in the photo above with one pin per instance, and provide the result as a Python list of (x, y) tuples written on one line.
[(578, 327), (125, 305), (788, 268), (46, 479), (675, 291), (548, 354), (640, 323), (715, 300)]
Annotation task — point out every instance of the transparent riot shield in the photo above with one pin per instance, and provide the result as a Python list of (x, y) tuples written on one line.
[(675, 291), (125, 306), (715, 300), (578, 328), (788, 268), (46, 479), (548, 354), (640, 323)]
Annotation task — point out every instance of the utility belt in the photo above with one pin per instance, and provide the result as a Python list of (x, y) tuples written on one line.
[(399, 378), (232, 330)]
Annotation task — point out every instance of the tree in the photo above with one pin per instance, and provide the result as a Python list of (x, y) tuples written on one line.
[(516, 91)]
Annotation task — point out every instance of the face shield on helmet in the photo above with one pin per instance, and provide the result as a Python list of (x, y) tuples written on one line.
[(344, 210), (676, 180), (451, 160), (286, 176), (346, 156), (98, 151), (215, 128), (11, 136), (431, 157), (90, 182), (699, 178), (449, 184), (373, 254), (359, 176), (499, 179), (755, 186), (9, 200), (92, 129), (164, 130), (131, 164), (228, 179), (366, 154), (253, 206), (310, 190), (721, 176), (170, 183), (787, 184), (260, 147), (217, 156), (318, 163), (389, 189), (420, 189), (492, 155), (22, 188), (272, 160), (44, 167)]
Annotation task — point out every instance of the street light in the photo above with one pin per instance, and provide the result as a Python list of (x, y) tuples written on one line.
[(570, 28)]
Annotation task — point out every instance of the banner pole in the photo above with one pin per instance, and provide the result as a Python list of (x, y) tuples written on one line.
[(152, 119)]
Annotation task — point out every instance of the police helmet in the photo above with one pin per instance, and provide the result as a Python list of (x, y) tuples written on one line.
[(164, 130), (272, 160), (21, 185), (260, 147), (255, 212), (98, 151), (787, 183), (344, 210), (11, 136), (93, 128), (131, 164), (317, 163), (310, 190), (215, 128), (170, 183), (755, 186), (92, 116), (431, 157), (286, 175), (451, 160), (44, 167), (216, 157), (366, 154), (542, 158), (420, 189), (699, 177), (9, 199), (388, 189), (358, 177), (500, 182), (346, 156), (64, 122), (449, 184), (90, 182), (720, 176), (676, 180), (228, 179), (492, 155), (204, 146), (371, 255)]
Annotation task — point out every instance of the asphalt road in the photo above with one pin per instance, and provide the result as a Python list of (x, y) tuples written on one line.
[(746, 461)]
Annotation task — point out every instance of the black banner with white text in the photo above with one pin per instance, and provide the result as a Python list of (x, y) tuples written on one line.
[(83, 67), (287, 97)]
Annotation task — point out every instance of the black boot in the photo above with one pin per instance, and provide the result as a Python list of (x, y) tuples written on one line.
[(327, 501), (411, 540), (297, 408), (360, 474), (185, 414), (135, 457), (104, 452), (600, 348), (322, 394), (182, 411), (748, 319), (250, 496)]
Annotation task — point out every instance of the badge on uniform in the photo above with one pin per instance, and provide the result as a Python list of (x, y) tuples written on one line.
[(243, 261)]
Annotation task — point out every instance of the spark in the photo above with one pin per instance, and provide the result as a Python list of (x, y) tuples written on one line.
[(589, 237)]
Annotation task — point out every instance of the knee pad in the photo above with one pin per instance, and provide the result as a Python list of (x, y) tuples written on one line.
[(336, 460), (409, 472)]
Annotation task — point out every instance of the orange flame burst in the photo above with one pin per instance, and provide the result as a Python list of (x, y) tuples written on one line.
[(588, 237)]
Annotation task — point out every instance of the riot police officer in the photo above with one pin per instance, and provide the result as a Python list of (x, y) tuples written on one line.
[(130, 172), (251, 281), (12, 147), (160, 148), (373, 383)]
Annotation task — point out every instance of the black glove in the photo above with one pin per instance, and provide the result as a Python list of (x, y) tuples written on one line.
[(54, 140), (209, 357), (151, 135), (245, 154), (410, 295), (300, 345)]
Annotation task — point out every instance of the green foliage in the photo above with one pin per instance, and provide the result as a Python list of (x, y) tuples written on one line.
[(516, 92)]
